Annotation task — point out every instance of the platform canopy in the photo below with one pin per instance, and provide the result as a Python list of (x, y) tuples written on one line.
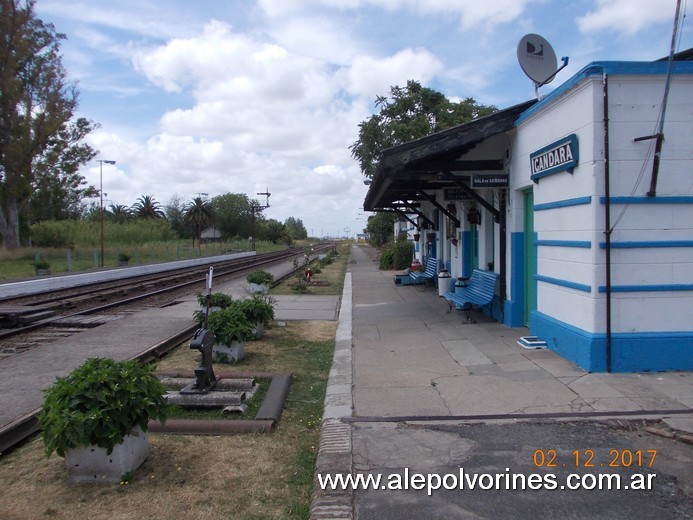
[(407, 172)]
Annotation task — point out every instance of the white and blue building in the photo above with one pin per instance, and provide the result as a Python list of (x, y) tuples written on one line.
[(579, 204)]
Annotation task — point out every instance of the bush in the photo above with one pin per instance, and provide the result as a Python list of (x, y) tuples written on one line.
[(260, 278), (99, 403), (396, 255)]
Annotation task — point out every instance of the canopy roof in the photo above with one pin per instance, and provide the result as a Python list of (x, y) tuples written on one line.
[(404, 171)]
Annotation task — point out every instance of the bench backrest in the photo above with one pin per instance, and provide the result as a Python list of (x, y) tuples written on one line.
[(431, 267), (483, 282)]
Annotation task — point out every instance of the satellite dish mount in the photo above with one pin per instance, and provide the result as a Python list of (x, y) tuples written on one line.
[(538, 60)]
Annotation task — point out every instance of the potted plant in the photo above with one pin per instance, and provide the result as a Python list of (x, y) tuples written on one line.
[(42, 267), (259, 312), (259, 281), (231, 330), (217, 302), (123, 259), (97, 416)]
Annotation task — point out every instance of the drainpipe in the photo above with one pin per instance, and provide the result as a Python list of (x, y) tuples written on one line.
[(607, 220)]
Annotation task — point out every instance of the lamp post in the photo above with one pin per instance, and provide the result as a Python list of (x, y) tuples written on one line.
[(101, 161)]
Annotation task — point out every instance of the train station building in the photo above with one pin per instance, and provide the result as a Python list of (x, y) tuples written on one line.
[(580, 204)]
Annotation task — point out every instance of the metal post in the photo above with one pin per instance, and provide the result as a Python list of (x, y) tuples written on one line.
[(101, 161)]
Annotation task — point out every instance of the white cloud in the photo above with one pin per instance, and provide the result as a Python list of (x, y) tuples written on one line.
[(369, 76), (471, 12), (626, 16)]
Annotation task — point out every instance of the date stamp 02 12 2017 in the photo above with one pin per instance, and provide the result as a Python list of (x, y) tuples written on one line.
[(587, 458)]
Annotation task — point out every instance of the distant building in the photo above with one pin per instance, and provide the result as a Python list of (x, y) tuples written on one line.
[(210, 234)]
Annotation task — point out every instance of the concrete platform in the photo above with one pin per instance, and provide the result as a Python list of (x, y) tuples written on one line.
[(409, 379)]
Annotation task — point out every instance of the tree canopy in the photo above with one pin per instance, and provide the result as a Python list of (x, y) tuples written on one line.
[(40, 148), (409, 113)]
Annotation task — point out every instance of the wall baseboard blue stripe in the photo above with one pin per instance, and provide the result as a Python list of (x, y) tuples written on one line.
[(579, 201), (684, 199), (648, 288), (563, 283), (586, 244), (643, 244), (630, 352)]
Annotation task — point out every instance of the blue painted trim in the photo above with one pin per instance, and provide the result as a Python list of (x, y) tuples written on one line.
[(648, 288), (630, 352), (654, 243), (597, 68), (467, 254), (514, 309), (579, 201), (563, 283), (586, 244), (684, 199)]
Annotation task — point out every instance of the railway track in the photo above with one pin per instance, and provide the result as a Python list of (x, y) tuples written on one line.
[(158, 291), (57, 313)]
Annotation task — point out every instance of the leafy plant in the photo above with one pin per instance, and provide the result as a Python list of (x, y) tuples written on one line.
[(260, 277), (231, 324), (217, 301), (257, 309), (99, 403), (123, 257), (41, 264)]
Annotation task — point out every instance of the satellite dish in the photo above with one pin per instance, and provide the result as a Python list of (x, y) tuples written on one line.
[(537, 59)]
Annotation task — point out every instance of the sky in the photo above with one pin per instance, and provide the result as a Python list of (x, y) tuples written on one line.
[(249, 96)]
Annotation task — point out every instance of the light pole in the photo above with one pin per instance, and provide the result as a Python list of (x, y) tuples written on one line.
[(101, 161)]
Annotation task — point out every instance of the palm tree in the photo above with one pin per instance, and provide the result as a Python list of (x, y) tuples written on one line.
[(200, 213), (119, 213), (147, 207)]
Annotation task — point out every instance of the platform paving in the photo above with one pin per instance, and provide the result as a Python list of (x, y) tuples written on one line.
[(419, 376)]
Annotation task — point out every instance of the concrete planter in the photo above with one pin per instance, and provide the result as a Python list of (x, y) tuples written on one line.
[(93, 464), (259, 330), (257, 288), (228, 353)]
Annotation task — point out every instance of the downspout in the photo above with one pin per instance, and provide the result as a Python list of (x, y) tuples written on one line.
[(607, 219)]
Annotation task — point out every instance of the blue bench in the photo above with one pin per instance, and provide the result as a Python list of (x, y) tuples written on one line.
[(429, 274), (479, 291)]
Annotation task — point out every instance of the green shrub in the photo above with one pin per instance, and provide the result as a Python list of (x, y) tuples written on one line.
[(396, 255), (260, 278), (99, 403)]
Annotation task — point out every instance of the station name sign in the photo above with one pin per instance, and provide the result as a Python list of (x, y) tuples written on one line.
[(559, 156)]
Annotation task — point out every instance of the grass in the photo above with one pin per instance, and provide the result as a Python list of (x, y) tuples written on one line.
[(332, 273), (18, 263)]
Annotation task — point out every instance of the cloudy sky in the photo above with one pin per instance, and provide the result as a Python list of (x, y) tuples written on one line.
[(216, 96)]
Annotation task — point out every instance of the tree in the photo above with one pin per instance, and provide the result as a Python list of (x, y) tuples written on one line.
[(175, 211), (147, 207), (200, 214), (295, 227), (40, 150), (409, 113), (381, 228), (275, 232), (234, 212), (118, 213)]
